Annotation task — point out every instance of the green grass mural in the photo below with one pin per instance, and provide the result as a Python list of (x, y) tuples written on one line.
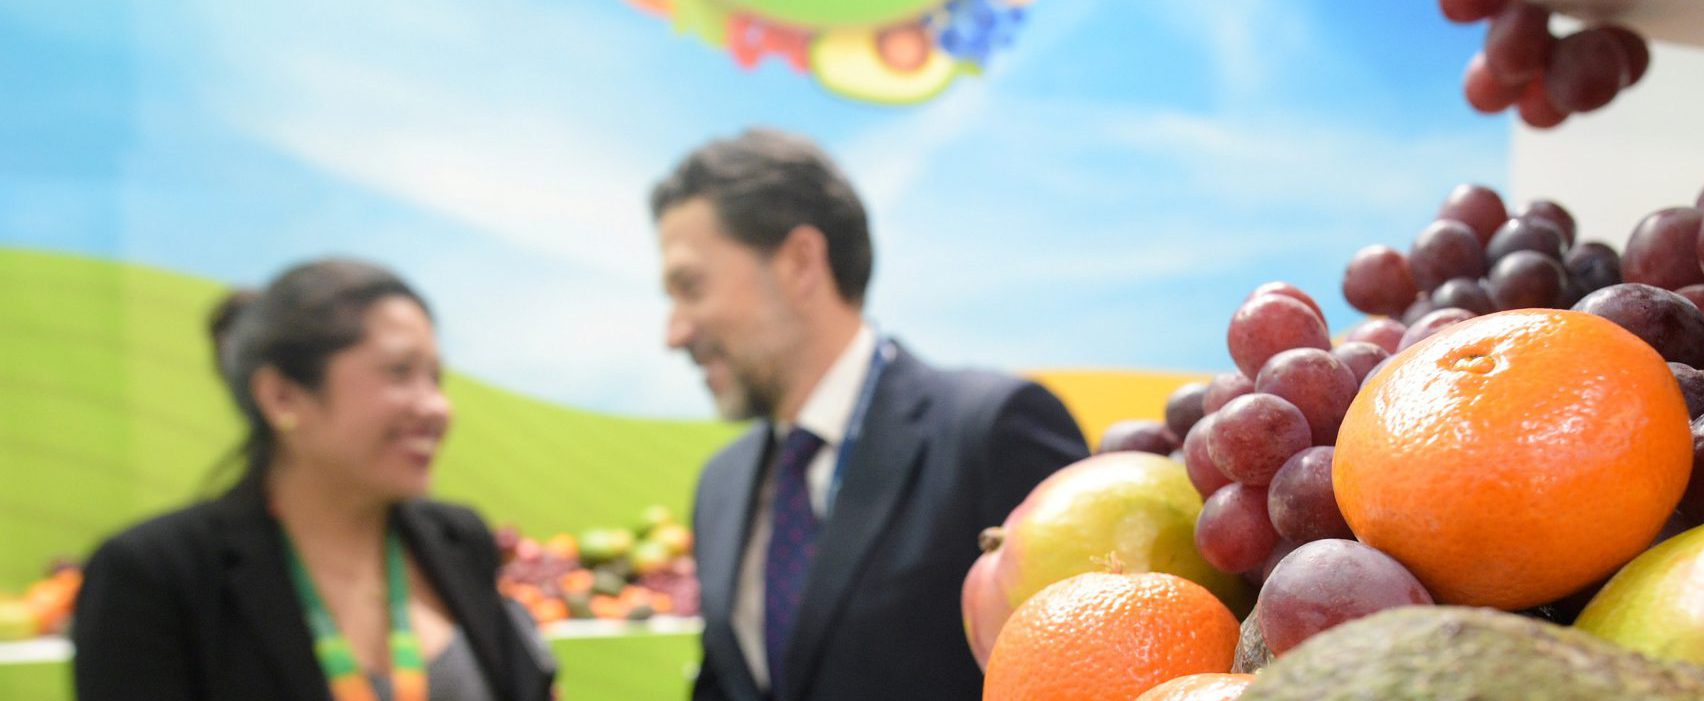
[(110, 411)]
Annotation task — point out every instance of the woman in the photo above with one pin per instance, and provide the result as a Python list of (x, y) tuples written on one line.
[(323, 574)]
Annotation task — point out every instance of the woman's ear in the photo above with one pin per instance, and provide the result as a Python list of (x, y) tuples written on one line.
[(278, 397)]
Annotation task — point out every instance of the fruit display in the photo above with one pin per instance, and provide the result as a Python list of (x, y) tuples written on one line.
[(894, 52), (606, 573), (1515, 423), (1545, 78), (603, 573), (1136, 508), (45, 606)]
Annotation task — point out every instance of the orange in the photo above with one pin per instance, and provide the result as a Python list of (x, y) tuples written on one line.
[(549, 610), (1515, 458), (1109, 636), (1200, 687)]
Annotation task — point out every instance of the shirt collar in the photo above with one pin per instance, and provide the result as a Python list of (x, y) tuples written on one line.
[(830, 404)]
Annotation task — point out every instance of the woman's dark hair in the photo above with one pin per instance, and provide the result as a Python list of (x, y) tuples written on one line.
[(294, 325)]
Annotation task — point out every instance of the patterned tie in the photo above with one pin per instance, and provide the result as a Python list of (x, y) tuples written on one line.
[(792, 544)]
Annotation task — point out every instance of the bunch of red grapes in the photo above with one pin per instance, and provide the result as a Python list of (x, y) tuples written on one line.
[(1477, 258), (1258, 443), (1546, 78)]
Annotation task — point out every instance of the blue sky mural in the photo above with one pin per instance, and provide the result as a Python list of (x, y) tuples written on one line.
[(1103, 196)]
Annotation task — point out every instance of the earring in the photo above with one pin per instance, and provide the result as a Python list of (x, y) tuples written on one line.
[(285, 423)]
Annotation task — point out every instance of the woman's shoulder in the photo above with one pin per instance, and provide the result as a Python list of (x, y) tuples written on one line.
[(187, 526), (456, 519), (165, 555)]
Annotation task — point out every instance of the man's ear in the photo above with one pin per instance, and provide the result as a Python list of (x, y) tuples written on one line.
[(801, 262)]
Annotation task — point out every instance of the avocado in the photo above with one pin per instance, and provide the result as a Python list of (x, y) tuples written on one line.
[(1444, 653), (836, 13), (848, 62), (1252, 653)]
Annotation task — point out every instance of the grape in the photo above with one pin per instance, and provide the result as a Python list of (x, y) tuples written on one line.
[(679, 582), (1446, 249), (1360, 357), (1184, 407), (1483, 91), (1288, 290), (1431, 324), (1234, 533), (1206, 476), (1374, 372), (1378, 281), (1553, 213), (1419, 309), (1633, 47), (1527, 280), (1665, 320), (1254, 434), (1328, 582), (1692, 501), (1269, 324), (1663, 250), (1693, 294), (1518, 43), (1280, 551), (1537, 235), (1138, 435), (507, 539), (1700, 245), (1478, 207), (1384, 333), (1301, 502), (1571, 293), (1537, 109), (1691, 387), (1463, 293), (1317, 383), (1586, 70), (1464, 11), (1223, 388), (1593, 266)]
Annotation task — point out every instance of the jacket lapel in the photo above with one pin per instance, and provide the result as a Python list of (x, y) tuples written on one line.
[(875, 482), (453, 569), (258, 580), (725, 520)]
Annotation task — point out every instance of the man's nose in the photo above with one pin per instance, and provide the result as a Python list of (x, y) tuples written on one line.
[(677, 334)]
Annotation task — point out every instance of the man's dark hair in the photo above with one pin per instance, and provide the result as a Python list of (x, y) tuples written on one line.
[(763, 183)]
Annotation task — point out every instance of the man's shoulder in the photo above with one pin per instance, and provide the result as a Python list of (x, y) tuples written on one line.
[(747, 446), (970, 392)]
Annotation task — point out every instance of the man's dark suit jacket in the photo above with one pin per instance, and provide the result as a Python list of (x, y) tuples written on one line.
[(942, 456), (198, 604)]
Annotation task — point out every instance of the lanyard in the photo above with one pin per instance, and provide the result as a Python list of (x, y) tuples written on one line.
[(337, 658), (885, 352)]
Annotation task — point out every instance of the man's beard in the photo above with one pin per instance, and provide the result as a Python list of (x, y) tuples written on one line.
[(746, 397)]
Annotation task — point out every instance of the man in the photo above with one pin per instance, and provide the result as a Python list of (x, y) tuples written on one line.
[(834, 536)]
